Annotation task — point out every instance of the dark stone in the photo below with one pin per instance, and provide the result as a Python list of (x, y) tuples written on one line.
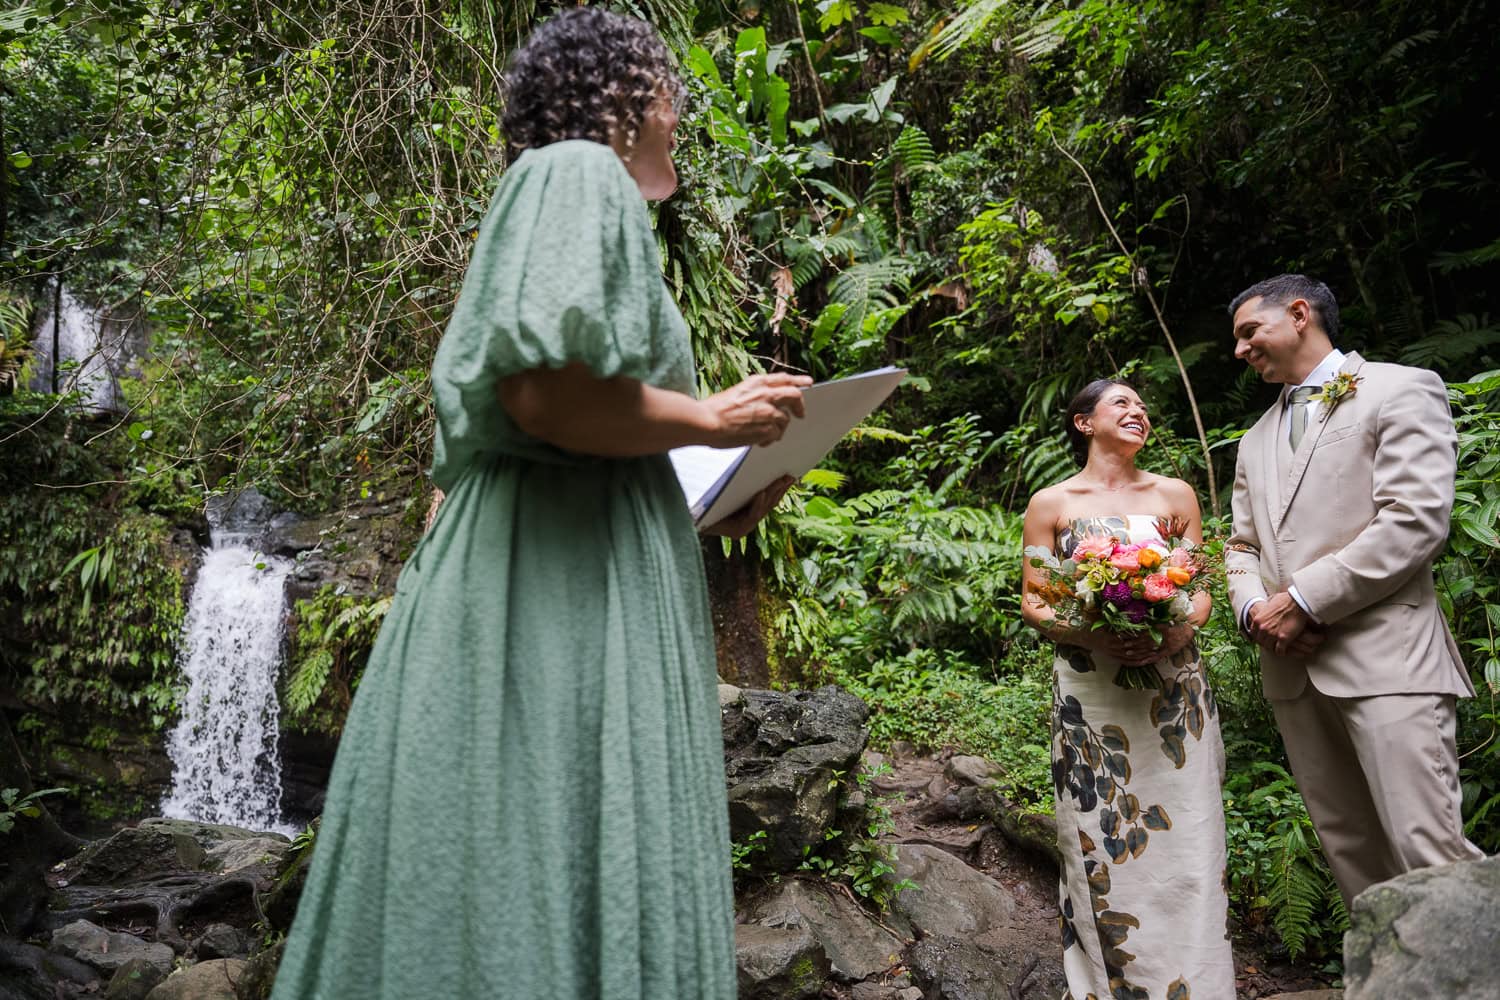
[(133, 855), (778, 963), (222, 941), (31, 973), (785, 754), (1429, 933), (280, 903), (134, 980), (947, 968), (260, 974)]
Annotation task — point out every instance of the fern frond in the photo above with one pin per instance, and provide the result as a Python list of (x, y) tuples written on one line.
[(1452, 340), (866, 287)]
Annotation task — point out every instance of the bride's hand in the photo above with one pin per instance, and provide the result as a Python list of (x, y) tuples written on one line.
[(1131, 649)]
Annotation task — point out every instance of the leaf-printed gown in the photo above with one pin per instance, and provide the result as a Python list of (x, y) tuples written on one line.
[(1140, 820), (528, 800)]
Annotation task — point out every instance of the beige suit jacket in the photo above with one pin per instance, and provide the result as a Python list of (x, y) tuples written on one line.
[(1355, 519)]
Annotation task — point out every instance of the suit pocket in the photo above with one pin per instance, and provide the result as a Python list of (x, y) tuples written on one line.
[(1334, 435)]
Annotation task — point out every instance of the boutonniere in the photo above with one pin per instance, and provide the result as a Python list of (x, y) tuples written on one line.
[(1335, 391)]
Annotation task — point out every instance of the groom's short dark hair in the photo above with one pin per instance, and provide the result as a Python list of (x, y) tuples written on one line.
[(1286, 288)]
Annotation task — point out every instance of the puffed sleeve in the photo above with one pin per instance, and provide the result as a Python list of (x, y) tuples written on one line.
[(565, 270)]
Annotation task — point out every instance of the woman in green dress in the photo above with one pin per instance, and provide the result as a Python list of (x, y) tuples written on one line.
[(528, 799)]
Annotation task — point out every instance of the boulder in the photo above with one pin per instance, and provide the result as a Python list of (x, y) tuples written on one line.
[(856, 945), (222, 941), (207, 835), (32, 973), (106, 950), (1428, 933), (785, 753), (972, 771), (947, 968), (134, 855), (260, 973), (134, 980), (951, 899), (214, 980), (778, 963), (233, 855)]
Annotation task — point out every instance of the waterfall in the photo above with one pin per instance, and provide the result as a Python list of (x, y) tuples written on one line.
[(224, 750), (93, 350)]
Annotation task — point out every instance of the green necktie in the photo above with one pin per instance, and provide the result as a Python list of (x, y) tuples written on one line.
[(1299, 400)]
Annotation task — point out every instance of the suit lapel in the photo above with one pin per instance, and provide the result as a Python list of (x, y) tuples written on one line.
[(1270, 457), (1317, 421)]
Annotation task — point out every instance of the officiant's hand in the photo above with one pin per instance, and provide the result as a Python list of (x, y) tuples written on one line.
[(756, 411), (743, 521)]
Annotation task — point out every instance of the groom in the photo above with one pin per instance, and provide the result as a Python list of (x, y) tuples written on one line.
[(1342, 494)]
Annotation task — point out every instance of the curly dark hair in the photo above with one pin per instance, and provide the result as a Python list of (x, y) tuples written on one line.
[(586, 74), (1083, 405)]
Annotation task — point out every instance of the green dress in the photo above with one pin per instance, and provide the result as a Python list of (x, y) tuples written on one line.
[(528, 800)]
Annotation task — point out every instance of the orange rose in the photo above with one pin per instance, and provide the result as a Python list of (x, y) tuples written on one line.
[(1150, 558), (1178, 575)]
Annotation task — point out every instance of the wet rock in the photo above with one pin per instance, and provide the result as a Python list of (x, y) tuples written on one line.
[(856, 946), (134, 980), (214, 980), (106, 950), (1431, 933), (233, 855), (207, 835), (778, 963), (784, 754)]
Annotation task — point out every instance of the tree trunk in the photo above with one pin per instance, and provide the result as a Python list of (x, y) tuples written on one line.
[(734, 598), (30, 848)]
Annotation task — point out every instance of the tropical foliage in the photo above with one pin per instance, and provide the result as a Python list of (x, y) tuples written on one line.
[(1008, 198)]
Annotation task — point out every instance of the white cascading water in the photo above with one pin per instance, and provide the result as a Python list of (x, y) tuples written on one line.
[(79, 340), (226, 768)]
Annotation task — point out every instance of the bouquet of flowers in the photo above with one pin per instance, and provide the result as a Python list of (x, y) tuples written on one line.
[(1124, 587)]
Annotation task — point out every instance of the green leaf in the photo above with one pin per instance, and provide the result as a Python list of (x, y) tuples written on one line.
[(835, 13), (20, 160), (700, 62), (881, 36), (887, 14)]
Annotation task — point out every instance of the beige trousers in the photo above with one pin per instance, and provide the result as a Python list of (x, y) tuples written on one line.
[(1380, 779)]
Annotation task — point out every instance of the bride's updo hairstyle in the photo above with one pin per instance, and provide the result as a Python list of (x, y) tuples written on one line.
[(1083, 406), (586, 74)]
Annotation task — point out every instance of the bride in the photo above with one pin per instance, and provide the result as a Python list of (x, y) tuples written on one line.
[(1136, 770)]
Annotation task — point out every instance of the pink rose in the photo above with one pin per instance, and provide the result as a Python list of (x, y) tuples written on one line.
[(1094, 548), (1127, 558), (1182, 558), (1158, 588)]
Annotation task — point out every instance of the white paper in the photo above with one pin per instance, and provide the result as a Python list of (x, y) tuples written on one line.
[(833, 410)]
